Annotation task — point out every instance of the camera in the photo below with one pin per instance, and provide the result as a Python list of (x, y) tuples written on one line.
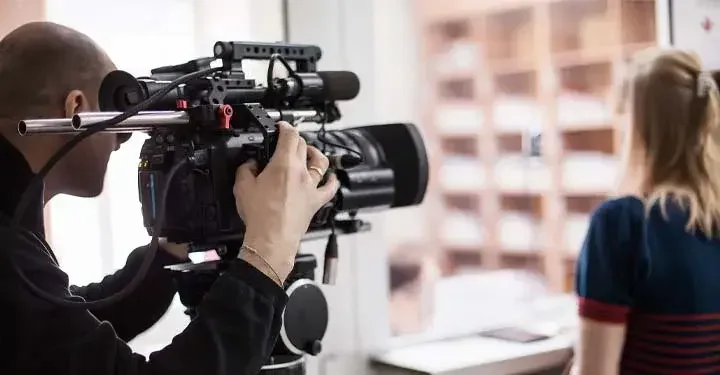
[(205, 120)]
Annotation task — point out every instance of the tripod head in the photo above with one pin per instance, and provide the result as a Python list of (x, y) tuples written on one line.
[(305, 318)]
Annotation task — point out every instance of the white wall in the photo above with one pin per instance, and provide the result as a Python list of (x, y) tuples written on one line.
[(662, 22), (684, 19)]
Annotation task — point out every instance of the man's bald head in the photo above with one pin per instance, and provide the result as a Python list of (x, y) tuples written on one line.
[(41, 63), (49, 70)]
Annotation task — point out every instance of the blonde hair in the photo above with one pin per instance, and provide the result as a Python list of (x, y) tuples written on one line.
[(675, 134)]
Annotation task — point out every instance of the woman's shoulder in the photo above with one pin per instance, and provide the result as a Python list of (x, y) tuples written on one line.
[(627, 206)]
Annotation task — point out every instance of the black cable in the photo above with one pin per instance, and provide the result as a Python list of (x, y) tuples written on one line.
[(139, 276), (37, 182), (271, 70), (326, 142)]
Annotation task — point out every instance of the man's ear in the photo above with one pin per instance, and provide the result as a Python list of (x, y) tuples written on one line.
[(75, 102)]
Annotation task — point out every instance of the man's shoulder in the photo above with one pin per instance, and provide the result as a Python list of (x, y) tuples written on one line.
[(24, 260), (20, 245)]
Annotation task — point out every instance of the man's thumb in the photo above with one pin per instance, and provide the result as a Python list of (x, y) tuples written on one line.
[(327, 191), (247, 172)]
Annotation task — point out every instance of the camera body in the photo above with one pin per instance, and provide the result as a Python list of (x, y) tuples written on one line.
[(200, 207), (221, 120)]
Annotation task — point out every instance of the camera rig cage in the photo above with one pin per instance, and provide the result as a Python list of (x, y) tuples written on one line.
[(203, 122)]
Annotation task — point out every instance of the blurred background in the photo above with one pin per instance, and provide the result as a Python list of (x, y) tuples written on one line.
[(495, 240)]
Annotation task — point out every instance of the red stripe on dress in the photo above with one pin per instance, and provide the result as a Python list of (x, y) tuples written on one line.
[(631, 364), (659, 359), (640, 324), (633, 345), (602, 312), (643, 335), (679, 317)]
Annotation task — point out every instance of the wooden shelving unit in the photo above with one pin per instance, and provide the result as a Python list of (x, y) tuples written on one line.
[(498, 73)]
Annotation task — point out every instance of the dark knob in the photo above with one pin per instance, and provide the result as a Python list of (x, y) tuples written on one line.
[(313, 347)]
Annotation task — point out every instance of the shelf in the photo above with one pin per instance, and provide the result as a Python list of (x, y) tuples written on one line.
[(519, 173), (462, 258), (569, 59), (527, 204), (516, 84), (461, 225), (459, 119), (402, 274), (579, 110), (457, 89), (519, 225), (509, 36), (511, 144), (532, 262), (462, 229), (569, 286), (575, 230), (585, 93), (462, 174), (594, 78), (455, 48), (515, 105), (589, 140), (499, 80), (450, 31), (462, 202), (577, 220), (459, 146), (638, 22), (588, 173), (583, 204), (460, 59), (581, 25), (517, 114), (434, 11)]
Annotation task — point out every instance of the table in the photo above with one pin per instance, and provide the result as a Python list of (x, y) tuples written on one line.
[(475, 356)]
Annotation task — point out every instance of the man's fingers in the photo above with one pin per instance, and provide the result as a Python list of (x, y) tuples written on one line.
[(328, 190), (288, 138), (302, 149), (317, 164)]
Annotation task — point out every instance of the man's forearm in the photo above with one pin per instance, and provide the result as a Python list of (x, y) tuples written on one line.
[(142, 308)]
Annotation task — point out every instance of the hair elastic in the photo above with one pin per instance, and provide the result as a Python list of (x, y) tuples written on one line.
[(705, 83)]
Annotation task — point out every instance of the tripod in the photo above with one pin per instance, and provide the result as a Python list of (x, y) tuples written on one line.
[(305, 318)]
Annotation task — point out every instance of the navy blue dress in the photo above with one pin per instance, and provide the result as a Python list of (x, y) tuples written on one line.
[(663, 282)]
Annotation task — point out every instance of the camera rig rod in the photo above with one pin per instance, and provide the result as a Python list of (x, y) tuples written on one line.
[(142, 122)]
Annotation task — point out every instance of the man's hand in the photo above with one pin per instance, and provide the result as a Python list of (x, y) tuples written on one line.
[(278, 204)]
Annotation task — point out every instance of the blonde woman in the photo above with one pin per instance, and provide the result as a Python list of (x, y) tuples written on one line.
[(648, 275)]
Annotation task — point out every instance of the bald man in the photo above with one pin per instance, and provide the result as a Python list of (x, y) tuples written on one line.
[(47, 70)]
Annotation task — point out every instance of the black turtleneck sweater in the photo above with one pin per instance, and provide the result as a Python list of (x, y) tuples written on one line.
[(240, 315)]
